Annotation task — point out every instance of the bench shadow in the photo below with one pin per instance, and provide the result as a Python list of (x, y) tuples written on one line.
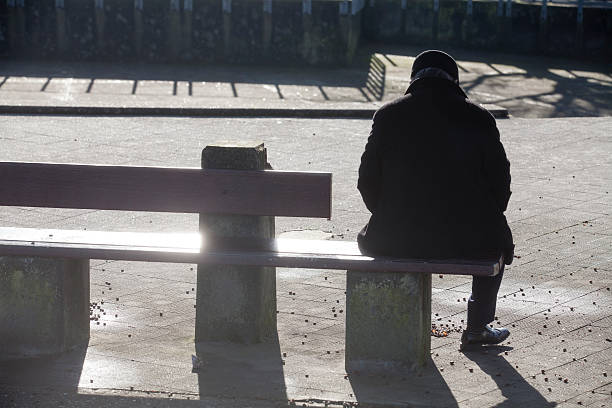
[(252, 372), (424, 388), (510, 382), (232, 374), (62, 371), (375, 82), (366, 75)]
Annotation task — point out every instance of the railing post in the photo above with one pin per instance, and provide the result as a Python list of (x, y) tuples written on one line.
[(12, 25), (307, 46), (436, 21), (60, 23), (580, 27), (501, 35), (227, 26), (500, 8), (100, 23), (354, 33), (16, 25), (404, 8), (267, 25), (543, 28), (187, 28), (235, 303), (469, 23), (174, 30), (344, 21), (138, 27), (508, 21)]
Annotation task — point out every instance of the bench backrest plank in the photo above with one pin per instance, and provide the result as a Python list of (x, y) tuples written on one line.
[(165, 189)]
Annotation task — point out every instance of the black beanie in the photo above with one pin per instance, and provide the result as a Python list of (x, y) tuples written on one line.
[(435, 59)]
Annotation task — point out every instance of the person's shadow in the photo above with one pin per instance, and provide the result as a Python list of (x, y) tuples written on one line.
[(512, 385)]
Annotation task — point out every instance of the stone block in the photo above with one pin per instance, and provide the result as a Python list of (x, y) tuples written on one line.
[(235, 303), (388, 321), (44, 306)]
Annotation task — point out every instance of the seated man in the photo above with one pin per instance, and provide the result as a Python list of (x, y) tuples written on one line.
[(436, 179)]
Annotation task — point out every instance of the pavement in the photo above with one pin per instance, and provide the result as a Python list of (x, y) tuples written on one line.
[(523, 86), (555, 298)]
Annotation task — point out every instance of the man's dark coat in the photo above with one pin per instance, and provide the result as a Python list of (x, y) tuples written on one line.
[(435, 177)]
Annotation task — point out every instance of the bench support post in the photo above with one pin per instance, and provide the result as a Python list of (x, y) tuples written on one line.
[(44, 306), (235, 303), (388, 321)]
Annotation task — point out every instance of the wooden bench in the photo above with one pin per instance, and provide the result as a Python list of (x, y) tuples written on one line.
[(219, 196)]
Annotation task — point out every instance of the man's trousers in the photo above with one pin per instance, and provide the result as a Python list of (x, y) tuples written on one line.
[(483, 300)]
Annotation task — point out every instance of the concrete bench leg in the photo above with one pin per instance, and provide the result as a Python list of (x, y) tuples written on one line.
[(44, 306), (388, 321), (235, 303)]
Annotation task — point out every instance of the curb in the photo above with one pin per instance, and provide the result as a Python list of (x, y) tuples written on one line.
[(365, 113), (194, 112)]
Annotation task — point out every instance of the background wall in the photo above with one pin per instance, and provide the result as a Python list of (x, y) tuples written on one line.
[(320, 32), (317, 32), (514, 27)]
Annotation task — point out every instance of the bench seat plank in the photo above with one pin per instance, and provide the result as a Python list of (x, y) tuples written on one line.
[(166, 189), (186, 248)]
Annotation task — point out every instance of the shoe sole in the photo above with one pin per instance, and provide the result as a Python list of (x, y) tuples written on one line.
[(475, 346)]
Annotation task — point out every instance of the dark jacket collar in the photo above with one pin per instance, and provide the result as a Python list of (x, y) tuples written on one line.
[(435, 85)]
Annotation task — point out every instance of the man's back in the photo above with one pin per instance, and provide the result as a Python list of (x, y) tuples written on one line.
[(435, 177)]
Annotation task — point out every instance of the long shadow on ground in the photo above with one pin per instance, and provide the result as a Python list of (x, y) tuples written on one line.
[(231, 375), (425, 388), (512, 385), (568, 87), (252, 372)]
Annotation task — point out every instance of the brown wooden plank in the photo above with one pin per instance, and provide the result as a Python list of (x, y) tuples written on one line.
[(185, 248), (165, 189)]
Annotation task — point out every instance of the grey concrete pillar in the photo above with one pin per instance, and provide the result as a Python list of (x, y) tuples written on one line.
[(388, 321), (44, 306), (235, 303)]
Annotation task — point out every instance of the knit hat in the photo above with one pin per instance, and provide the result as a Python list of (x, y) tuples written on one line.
[(435, 63)]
